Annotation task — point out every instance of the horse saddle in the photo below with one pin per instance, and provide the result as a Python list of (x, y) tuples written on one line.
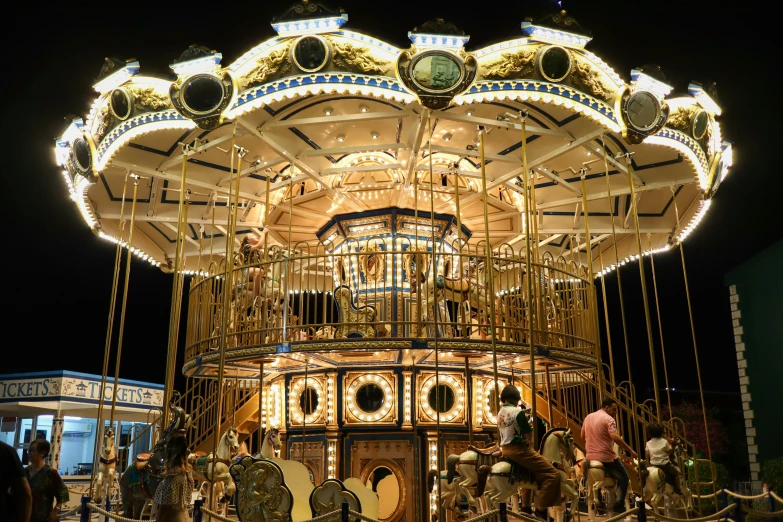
[(517, 473), (486, 451), (199, 453), (143, 457), (454, 284)]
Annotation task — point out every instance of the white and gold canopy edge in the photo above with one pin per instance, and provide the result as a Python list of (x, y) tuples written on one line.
[(337, 120)]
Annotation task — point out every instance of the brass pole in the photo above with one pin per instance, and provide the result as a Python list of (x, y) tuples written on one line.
[(549, 397), (180, 277), (226, 297), (110, 325), (121, 332), (617, 263), (175, 286), (465, 320), (469, 382), (488, 264), (695, 350), (261, 425), (629, 164), (435, 309), (591, 286), (606, 317), (306, 406), (288, 276), (660, 330), (528, 275)]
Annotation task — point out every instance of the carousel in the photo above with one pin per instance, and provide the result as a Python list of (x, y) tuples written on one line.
[(368, 242)]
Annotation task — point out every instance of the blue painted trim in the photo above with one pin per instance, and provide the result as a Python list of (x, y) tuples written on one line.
[(67, 373)]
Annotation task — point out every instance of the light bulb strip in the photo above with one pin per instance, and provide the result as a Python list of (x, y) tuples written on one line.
[(687, 146)]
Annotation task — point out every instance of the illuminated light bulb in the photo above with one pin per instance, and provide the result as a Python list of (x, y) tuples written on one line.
[(341, 138), (363, 108), (374, 135), (447, 136), (328, 111)]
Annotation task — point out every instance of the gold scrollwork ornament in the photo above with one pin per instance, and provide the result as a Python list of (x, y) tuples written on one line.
[(347, 56), (261, 492), (520, 63), (147, 98), (372, 263), (586, 78), (276, 62)]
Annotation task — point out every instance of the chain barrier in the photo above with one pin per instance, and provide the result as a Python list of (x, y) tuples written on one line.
[(714, 516), (485, 516), (113, 516), (216, 515)]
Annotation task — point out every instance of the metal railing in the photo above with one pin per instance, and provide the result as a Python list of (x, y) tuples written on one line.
[(383, 288)]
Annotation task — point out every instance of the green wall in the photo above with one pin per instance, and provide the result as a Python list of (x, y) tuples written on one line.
[(759, 284)]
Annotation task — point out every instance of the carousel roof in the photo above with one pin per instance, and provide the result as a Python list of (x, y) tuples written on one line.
[(325, 121)]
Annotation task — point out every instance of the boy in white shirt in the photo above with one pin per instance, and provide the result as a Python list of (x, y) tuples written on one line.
[(659, 451), (515, 444)]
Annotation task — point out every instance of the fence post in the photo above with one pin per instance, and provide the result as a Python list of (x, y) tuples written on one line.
[(725, 503), (503, 515), (197, 513), (641, 516), (737, 510), (108, 505), (771, 503), (344, 517), (85, 509)]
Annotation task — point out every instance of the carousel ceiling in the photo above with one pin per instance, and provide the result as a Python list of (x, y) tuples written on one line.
[(321, 121)]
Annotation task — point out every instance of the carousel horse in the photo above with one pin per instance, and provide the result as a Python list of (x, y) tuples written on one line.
[(141, 478), (464, 468), (655, 487), (597, 479), (271, 444), (215, 467), (106, 467), (450, 489), (506, 478)]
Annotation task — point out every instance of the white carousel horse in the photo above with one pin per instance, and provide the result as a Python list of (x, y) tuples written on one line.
[(597, 479), (271, 445), (106, 467), (554, 442), (450, 489), (205, 465), (656, 489)]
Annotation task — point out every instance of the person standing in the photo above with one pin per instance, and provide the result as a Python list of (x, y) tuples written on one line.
[(48, 490), (174, 494), (599, 431), (515, 444), (15, 499)]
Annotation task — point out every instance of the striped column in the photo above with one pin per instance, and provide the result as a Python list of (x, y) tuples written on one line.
[(744, 380)]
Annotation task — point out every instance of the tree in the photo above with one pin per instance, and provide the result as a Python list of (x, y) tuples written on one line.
[(692, 416)]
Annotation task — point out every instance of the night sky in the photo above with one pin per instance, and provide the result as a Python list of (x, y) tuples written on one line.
[(58, 274)]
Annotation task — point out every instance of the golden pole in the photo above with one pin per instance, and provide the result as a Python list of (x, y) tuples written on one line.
[(606, 316), (226, 296), (617, 263), (620, 293), (469, 386), (121, 332), (644, 286), (465, 320), (175, 287), (260, 403), (306, 404), (488, 267), (660, 330), (591, 285), (528, 275), (172, 361), (110, 325), (695, 348), (435, 309)]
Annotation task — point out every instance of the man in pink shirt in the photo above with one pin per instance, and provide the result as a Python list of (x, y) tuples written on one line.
[(599, 431)]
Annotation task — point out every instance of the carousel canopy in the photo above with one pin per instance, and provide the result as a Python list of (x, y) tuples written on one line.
[(321, 122)]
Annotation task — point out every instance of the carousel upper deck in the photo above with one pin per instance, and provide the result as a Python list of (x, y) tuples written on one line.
[(329, 192)]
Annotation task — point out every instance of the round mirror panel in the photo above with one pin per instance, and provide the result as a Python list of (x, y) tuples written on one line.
[(383, 482), (643, 111), (436, 72), (120, 103), (202, 94), (311, 53), (700, 122), (445, 395), (308, 401), (82, 155), (555, 63), (369, 398)]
